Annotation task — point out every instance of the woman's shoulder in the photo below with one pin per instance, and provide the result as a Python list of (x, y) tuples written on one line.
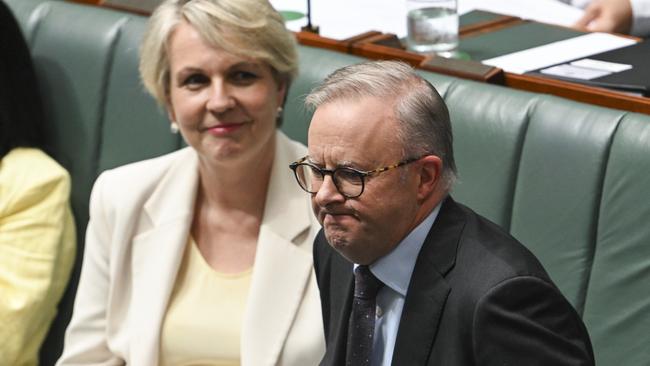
[(29, 177), (131, 183), (149, 169), (27, 168)]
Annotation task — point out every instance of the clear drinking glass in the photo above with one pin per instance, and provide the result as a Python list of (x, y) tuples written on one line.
[(432, 26)]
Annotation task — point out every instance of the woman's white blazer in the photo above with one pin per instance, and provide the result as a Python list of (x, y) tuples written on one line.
[(140, 217)]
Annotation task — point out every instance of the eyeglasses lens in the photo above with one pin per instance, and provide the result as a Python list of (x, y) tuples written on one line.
[(348, 182)]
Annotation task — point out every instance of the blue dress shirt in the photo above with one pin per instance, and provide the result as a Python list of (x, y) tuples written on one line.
[(395, 270)]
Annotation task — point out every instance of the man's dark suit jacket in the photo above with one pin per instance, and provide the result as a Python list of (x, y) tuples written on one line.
[(476, 297)]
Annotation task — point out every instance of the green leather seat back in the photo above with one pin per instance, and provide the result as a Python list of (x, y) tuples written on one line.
[(28, 13), (617, 308), (558, 188), (489, 129), (315, 64), (73, 67), (73, 64), (134, 126)]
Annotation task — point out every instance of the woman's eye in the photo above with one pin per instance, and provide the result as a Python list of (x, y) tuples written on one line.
[(244, 77), (195, 80)]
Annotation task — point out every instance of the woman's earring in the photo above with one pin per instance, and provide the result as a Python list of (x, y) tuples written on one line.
[(279, 113), (173, 127)]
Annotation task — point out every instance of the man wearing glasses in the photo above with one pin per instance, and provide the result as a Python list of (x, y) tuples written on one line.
[(408, 276)]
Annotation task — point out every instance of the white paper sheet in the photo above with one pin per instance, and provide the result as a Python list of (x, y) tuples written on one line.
[(341, 19), (544, 11), (601, 65), (558, 52), (575, 72)]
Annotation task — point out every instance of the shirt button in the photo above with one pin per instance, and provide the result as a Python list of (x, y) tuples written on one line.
[(379, 312)]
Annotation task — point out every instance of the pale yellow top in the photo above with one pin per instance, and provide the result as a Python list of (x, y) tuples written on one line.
[(37, 249), (203, 322)]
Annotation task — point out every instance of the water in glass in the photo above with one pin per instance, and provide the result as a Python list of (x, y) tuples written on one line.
[(432, 29)]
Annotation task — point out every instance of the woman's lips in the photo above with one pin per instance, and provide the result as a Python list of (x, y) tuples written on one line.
[(225, 129)]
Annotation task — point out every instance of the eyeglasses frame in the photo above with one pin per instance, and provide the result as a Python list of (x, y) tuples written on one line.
[(363, 173)]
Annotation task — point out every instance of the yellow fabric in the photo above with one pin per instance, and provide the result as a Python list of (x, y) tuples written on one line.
[(37, 249), (203, 322)]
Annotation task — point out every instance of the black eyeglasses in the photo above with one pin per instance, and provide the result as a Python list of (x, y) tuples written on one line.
[(349, 182)]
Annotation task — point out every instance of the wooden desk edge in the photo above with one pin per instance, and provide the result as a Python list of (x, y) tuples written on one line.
[(578, 92)]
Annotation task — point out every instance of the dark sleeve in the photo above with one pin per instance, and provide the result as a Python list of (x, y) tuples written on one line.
[(527, 321)]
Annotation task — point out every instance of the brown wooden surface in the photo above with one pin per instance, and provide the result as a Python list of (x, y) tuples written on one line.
[(377, 45), (382, 46), (582, 93), (500, 22), (465, 69), (314, 40), (380, 52)]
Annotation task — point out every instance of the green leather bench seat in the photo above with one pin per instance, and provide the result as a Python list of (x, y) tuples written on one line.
[(130, 116), (570, 180), (617, 303)]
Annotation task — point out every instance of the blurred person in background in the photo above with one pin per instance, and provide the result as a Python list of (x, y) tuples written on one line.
[(620, 16), (37, 234)]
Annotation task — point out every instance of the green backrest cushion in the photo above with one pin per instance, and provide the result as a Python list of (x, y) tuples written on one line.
[(559, 182), (72, 67), (489, 129), (617, 306), (28, 13), (134, 126), (72, 64), (315, 64)]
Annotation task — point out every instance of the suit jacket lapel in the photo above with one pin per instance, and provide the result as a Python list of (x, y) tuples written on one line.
[(272, 306), (342, 276), (428, 290), (158, 251)]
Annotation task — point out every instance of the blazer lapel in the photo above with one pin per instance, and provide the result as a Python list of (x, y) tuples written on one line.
[(428, 290), (342, 276), (158, 251), (282, 268)]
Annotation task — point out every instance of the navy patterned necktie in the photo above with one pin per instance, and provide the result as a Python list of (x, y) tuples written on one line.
[(361, 328)]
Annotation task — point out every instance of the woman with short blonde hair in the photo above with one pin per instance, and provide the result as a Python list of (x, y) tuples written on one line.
[(204, 256)]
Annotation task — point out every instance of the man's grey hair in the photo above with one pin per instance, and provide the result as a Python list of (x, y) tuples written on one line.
[(420, 111)]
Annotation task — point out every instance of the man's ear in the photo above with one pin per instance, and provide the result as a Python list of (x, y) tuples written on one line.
[(430, 172)]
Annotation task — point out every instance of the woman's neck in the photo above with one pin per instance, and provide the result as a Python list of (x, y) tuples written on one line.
[(240, 185)]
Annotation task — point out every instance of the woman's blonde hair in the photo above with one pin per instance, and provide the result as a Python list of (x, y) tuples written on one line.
[(246, 28)]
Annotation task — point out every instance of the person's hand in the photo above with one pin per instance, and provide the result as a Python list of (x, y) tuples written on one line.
[(607, 16)]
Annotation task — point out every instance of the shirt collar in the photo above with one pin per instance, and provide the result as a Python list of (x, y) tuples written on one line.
[(395, 268)]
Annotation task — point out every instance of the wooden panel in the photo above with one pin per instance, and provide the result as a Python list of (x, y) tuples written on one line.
[(465, 69), (579, 92), (380, 52), (314, 40)]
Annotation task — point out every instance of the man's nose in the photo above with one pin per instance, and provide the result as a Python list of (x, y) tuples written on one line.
[(328, 193)]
